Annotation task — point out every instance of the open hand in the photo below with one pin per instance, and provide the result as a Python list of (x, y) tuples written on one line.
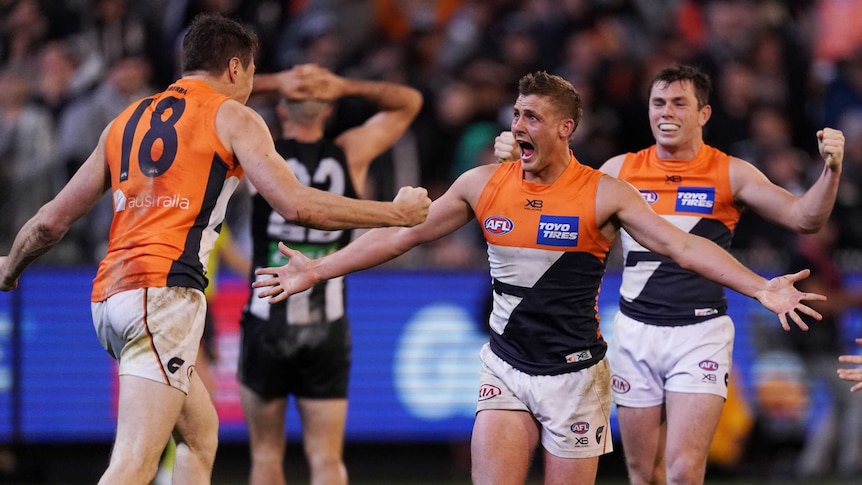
[(853, 374), (290, 279), (781, 297)]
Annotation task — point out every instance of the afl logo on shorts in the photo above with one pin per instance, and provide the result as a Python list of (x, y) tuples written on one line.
[(487, 391), (650, 196), (708, 365), (620, 385), (498, 225), (580, 427)]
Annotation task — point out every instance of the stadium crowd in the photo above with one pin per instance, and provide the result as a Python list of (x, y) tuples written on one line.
[(781, 70)]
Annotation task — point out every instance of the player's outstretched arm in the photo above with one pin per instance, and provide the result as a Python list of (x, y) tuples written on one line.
[(779, 295), (448, 213), (245, 133), (853, 374)]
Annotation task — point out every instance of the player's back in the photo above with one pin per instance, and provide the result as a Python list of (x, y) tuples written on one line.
[(171, 178)]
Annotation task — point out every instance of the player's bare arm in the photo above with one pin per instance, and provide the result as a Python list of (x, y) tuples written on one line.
[(451, 211), (48, 226), (804, 214), (245, 133), (618, 203)]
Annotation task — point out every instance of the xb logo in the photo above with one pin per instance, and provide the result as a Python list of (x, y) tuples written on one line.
[(534, 204), (673, 179)]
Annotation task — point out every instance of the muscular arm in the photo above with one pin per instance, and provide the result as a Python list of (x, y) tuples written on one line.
[(448, 213), (621, 204), (801, 214), (398, 106), (45, 229), (244, 133)]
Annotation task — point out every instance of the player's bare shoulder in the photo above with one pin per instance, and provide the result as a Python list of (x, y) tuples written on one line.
[(469, 185)]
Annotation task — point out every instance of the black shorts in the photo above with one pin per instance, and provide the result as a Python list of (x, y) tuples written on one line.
[(308, 361)]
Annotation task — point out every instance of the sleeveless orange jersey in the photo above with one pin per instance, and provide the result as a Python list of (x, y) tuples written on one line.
[(697, 197), (171, 178), (547, 259)]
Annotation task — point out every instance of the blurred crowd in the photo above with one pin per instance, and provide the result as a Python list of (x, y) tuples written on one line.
[(781, 71)]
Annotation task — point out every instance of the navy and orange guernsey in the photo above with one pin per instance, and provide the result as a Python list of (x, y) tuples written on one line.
[(547, 259), (696, 196), (171, 178)]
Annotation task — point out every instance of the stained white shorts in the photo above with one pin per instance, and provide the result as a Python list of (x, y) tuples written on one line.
[(574, 409), (153, 333), (647, 360)]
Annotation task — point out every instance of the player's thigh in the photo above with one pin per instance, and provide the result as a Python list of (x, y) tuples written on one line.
[(323, 422), (691, 423), (197, 425), (147, 412), (570, 471), (264, 418), (502, 446)]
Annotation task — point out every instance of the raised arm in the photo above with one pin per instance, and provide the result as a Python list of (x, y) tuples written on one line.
[(48, 226), (620, 204), (398, 106), (801, 214), (448, 213), (244, 133)]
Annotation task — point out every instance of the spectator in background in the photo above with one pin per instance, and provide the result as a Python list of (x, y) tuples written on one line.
[(27, 155)]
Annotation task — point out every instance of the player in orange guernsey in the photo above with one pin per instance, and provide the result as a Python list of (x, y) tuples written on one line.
[(549, 222), (171, 161), (672, 347)]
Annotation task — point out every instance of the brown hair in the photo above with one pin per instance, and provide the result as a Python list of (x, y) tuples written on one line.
[(561, 92), (213, 40), (682, 72)]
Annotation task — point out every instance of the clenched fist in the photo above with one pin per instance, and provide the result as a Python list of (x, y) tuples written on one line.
[(413, 203), (506, 149)]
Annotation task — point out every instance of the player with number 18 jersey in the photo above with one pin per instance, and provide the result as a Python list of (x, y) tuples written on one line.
[(169, 197)]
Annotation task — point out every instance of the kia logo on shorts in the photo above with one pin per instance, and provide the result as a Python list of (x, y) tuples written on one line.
[(498, 225), (580, 427), (620, 385), (487, 391), (708, 365)]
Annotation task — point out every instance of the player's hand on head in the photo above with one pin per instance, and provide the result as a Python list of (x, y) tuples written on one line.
[(830, 143), (414, 203), (782, 297), (506, 149), (292, 278)]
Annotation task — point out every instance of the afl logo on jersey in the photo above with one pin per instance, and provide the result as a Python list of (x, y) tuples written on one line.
[(650, 196), (498, 225)]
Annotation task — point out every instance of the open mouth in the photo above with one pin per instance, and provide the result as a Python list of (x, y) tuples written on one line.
[(668, 127), (527, 149)]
